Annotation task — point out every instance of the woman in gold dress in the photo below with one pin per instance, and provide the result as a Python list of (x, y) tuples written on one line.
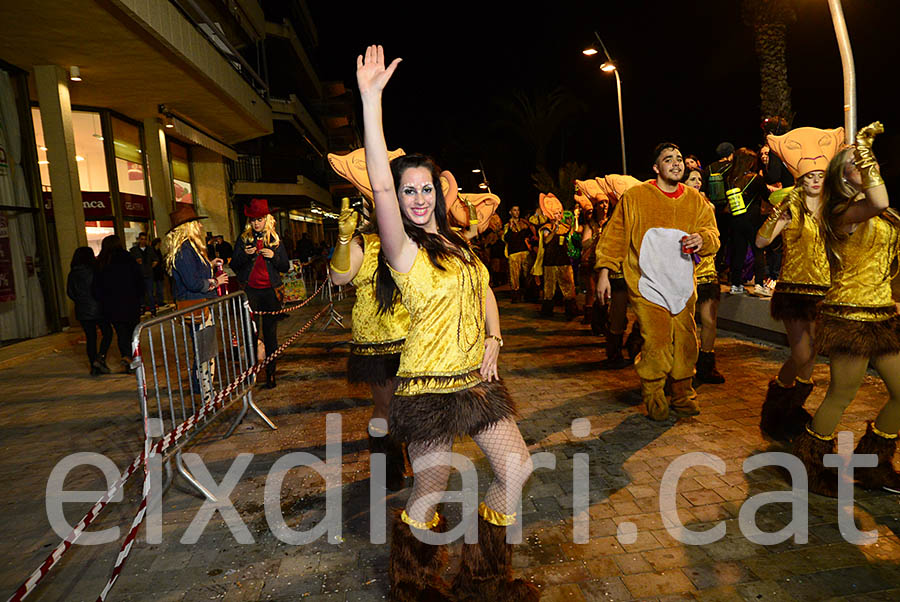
[(378, 333), (448, 384), (858, 321)]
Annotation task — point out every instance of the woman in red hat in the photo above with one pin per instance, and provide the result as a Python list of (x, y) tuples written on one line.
[(259, 260)]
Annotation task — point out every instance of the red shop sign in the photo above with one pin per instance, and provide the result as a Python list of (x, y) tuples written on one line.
[(135, 205), (97, 205)]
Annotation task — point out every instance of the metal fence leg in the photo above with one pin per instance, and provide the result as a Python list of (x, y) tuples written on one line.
[(190, 478)]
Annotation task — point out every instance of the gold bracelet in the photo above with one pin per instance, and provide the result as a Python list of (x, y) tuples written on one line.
[(344, 241), (495, 337)]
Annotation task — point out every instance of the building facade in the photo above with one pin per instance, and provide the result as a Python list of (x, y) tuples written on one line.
[(113, 112)]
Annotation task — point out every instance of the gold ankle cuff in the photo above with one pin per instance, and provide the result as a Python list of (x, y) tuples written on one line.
[(818, 436), (496, 518), (782, 385), (804, 381), (882, 434), (420, 525)]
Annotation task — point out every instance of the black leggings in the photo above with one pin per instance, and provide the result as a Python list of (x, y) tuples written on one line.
[(265, 299), (90, 335), (124, 330)]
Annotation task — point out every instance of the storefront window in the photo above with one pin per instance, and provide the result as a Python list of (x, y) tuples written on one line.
[(179, 155), (92, 176), (130, 173)]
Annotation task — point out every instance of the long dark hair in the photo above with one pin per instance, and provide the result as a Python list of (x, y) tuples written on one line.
[(83, 256), (744, 167), (385, 288), (108, 248)]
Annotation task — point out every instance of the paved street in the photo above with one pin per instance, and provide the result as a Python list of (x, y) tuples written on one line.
[(52, 408)]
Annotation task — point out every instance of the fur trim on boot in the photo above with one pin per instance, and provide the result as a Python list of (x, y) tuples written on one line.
[(600, 319), (776, 408), (706, 368), (634, 342), (485, 574), (797, 417), (614, 358), (415, 567), (882, 476), (684, 398), (811, 450), (655, 400)]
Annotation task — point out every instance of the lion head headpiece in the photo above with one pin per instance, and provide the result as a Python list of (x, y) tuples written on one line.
[(807, 149)]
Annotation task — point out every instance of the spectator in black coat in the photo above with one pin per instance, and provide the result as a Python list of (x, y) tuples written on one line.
[(87, 309), (148, 259), (119, 287)]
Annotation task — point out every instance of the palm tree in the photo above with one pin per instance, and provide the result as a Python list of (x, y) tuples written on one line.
[(535, 118), (563, 187), (769, 20)]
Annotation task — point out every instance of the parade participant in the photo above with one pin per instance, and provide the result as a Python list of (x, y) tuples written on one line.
[(555, 265), (858, 321), (804, 278), (651, 224), (708, 297), (448, 382), (378, 332), (259, 259), (591, 210), (516, 233), (616, 308)]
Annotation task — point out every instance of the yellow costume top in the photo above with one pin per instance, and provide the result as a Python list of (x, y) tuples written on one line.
[(642, 208), (804, 266), (861, 288), (445, 344), (374, 333), (705, 272)]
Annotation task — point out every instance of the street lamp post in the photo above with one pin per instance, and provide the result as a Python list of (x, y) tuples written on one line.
[(843, 40), (485, 185), (607, 67)]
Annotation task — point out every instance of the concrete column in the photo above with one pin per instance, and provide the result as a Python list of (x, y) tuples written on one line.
[(211, 192), (160, 174), (68, 212)]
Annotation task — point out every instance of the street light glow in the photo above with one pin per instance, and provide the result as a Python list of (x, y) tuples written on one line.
[(589, 51), (476, 170), (608, 67)]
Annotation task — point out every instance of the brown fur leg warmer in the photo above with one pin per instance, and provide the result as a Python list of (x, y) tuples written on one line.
[(774, 417), (486, 571), (882, 476), (415, 567), (811, 450)]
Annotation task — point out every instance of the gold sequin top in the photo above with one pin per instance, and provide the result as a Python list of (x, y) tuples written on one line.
[(804, 265), (445, 344), (705, 271), (375, 334), (862, 282)]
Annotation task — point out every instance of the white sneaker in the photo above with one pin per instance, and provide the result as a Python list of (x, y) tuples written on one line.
[(737, 290), (762, 290)]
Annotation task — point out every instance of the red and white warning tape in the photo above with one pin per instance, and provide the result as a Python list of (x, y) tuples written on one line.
[(285, 310), (160, 446)]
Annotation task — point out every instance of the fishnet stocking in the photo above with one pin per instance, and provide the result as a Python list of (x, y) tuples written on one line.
[(509, 458), (507, 454)]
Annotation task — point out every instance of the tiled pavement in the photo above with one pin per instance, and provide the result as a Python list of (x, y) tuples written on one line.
[(51, 408)]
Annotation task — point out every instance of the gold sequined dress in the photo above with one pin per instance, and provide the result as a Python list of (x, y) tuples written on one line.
[(377, 337), (805, 275), (440, 393), (858, 316)]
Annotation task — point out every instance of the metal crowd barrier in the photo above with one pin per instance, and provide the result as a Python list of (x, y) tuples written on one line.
[(184, 359)]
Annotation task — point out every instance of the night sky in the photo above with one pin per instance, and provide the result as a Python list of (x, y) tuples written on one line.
[(689, 75)]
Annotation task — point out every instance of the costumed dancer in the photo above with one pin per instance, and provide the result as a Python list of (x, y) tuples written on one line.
[(651, 224), (708, 296), (378, 330), (448, 384), (616, 307), (594, 204), (516, 233), (259, 259), (555, 265), (858, 321), (804, 278)]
